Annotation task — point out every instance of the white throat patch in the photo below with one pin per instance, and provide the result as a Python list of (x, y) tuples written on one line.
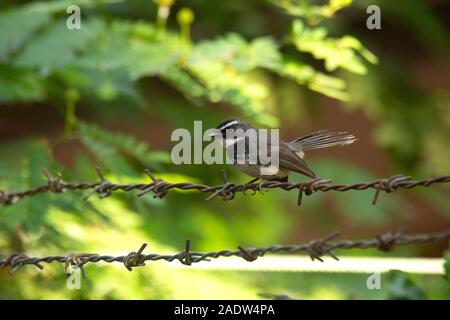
[(230, 142)]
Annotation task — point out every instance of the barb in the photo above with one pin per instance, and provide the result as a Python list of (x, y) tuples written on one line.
[(160, 188), (316, 249)]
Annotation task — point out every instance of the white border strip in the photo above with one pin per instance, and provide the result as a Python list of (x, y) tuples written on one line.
[(304, 264)]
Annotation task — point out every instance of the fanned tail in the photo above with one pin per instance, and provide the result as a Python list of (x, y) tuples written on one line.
[(323, 139)]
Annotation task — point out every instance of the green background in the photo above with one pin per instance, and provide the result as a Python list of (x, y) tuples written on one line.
[(111, 93)]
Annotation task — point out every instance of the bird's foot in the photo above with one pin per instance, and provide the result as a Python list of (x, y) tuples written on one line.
[(264, 180), (249, 183), (269, 179), (279, 179), (259, 187)]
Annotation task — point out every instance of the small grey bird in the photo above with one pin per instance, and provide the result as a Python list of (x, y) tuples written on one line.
[(290, 154)]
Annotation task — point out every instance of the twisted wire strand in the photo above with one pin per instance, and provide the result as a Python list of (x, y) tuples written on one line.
[(316, 249), (160, 188)]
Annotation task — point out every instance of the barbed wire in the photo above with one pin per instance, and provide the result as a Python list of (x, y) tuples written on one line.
[(160, 188), (315, 248)]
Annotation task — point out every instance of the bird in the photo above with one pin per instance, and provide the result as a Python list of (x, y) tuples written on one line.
[(290, 154)]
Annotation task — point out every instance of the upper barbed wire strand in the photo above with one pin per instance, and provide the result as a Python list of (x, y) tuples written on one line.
[(227, 191)]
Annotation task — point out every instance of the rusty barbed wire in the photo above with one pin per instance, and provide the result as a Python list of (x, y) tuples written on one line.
[(316, 249), (160, 188)]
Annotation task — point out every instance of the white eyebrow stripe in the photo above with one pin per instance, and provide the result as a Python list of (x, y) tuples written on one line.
[(230, 142), (229, 124)]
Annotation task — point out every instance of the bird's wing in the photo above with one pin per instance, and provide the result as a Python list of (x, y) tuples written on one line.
[(291, 161)]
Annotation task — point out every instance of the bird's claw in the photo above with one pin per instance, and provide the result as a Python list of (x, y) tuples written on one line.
[(247, 186), (259, 187)]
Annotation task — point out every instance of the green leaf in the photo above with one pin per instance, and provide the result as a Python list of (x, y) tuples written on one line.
[(403, 287), (233, 58), (186, 83), (263, 52), (120, 152), (19, 25), (447, 265), (56, 46), (25, 173), (314, 80), (133, 47), (313, 14), (234, 53), (346, 52), (20, 85)]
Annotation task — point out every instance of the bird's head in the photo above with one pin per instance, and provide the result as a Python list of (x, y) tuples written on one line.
[(230, 124)]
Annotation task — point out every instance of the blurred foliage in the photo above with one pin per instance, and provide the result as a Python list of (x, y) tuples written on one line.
[(129, 50), (337, 53), (312, 13), (447, 266), (403, 287), (139, 67)]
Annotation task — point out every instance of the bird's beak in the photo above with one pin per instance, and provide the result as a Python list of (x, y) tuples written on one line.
[(215, 133)]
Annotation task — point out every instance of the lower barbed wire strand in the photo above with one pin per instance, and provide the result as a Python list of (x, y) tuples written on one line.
[(315, 248)]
